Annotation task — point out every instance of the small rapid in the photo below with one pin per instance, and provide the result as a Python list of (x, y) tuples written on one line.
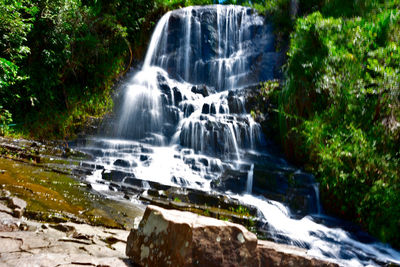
[(183, 122)]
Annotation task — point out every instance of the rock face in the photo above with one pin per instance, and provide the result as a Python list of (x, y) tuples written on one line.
[(175, 238)]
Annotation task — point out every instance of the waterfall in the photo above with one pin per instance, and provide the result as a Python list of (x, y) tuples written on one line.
[(249, 185), (318, 203), (182, 122), (222, 47)]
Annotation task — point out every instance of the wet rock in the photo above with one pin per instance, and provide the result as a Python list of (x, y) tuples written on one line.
[(144, 157), (215, 167), (188, 109), (134, 181), (202, 241), (179, 180), (205, 109), (113, 175), (204, 161), (122, 163), (213, 109), (177, 95), (294, 189), (235, 103), (201, 198), (82, 171), (147, 150), (88, 165), (172, 115), (231, 180), (200, 89), (273, 254), (162, 83)]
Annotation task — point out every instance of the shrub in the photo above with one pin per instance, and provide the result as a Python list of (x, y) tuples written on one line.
[(339, 114)]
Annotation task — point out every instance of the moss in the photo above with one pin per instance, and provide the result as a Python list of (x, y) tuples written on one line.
[(56, 197)]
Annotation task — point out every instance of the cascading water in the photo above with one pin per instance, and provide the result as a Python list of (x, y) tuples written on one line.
[(183, 123), (249, 185)]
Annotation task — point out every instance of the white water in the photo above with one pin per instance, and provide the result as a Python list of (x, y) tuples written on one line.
[(321, 241), (170, 133), (249, 185), (316, 189)]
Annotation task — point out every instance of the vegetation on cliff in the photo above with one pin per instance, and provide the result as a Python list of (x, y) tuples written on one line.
[(339, 107)]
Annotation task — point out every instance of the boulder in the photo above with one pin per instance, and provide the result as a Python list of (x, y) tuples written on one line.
[(200, 89), (122, 163), (115, 176), (176, 238), (18, 205)]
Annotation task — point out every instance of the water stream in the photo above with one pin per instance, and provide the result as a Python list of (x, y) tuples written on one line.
[(183, 122)]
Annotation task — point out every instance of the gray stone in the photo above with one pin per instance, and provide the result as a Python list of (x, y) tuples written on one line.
[(17, 203), (201, 241), (176, 238), (5, 209), (44, 246)]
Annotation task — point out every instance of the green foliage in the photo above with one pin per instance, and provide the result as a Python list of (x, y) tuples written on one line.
[(5, 121), (59, 59), (240, 210), (15, 24), (339, 110)]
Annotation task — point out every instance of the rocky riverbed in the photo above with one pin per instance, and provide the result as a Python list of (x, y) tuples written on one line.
[(49, 216), (45, 176), (25, 242), (31, 243)]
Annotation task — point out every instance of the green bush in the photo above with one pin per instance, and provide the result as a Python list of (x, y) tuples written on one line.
[(339, 114)]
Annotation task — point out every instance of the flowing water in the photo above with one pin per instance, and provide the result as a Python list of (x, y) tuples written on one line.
[(183, 121)]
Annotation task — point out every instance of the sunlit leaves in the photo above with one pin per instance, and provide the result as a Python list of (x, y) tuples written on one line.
[(343, 81)]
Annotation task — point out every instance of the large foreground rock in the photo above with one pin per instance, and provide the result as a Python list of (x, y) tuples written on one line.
[(176, 238)]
